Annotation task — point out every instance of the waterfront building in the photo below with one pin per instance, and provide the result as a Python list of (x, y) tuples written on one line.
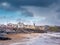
[(20, 25), (29, 26)]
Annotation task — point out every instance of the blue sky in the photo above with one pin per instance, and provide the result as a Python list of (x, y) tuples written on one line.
[(41, 12)]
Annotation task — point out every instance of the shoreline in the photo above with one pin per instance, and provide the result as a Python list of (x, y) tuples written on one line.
[(19, 38)]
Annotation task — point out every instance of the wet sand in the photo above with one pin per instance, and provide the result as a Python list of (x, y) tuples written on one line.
[(18, 38), (32, 39)]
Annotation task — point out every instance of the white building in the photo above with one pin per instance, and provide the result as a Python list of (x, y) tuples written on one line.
[(20, 25)]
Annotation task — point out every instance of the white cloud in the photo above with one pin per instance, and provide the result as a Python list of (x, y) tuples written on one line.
[(5, 4), (48, 14)]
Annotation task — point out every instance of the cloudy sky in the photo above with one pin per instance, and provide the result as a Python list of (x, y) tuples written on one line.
[(40, 12)]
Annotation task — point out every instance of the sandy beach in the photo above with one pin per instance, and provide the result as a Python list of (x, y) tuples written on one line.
[(18, 38)]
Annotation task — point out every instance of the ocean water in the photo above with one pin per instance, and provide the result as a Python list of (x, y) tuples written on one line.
[(43, 39)]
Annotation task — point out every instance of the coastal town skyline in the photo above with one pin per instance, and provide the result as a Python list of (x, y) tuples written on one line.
[(29, 22)]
